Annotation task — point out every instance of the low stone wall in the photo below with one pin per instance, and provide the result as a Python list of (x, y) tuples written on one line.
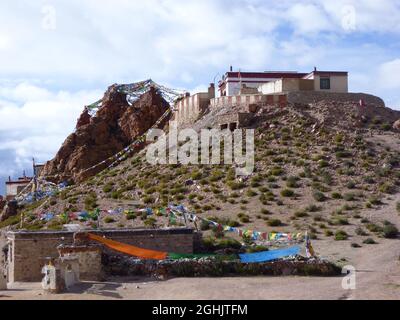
[(309, 97), (122, 266), (28, 251)]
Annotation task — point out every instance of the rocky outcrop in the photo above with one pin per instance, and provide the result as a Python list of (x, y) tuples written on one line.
[(96, 138), (396, 125), (10, 210)]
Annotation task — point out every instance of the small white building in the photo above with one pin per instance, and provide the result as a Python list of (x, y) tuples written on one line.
[(283, 81)]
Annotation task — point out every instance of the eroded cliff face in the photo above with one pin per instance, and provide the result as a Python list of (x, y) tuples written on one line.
[(115, 126)]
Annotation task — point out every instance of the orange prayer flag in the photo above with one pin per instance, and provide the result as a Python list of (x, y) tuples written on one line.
[(130, 250)]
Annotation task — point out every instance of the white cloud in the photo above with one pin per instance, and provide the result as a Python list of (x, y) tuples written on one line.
[(48, 75), (389, 75), (37, 122), (308, 18)]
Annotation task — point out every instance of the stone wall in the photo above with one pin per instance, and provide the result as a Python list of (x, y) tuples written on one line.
[(123, 266), (239, 119), (28, 251), (306, 97), (245, 101)]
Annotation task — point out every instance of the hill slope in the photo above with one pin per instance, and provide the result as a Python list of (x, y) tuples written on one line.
[(325, 168)]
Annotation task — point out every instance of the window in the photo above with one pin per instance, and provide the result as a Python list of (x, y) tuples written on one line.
[(325, 83)]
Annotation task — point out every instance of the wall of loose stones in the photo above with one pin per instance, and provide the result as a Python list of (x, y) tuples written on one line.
[(30, 250), (308, 97)]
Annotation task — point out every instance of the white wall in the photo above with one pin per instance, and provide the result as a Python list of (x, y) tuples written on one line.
[(271, 87), (233, 88), (338, 84)]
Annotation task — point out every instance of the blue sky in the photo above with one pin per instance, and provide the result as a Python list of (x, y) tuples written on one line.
[(56, 56)]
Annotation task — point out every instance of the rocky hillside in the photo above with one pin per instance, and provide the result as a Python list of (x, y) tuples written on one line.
[(114, 126), (327, 168)]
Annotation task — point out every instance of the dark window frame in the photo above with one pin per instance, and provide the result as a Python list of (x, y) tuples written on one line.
[(325, 83)]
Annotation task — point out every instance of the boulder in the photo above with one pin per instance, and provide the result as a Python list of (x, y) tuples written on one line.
[(10, 210), (396, 125)]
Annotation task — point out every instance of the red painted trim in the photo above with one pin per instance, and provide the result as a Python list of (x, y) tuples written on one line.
[(17, 182), (275, 75)]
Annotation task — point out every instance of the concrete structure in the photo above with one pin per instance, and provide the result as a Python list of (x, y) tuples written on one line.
[(28, 252), (189, 108)]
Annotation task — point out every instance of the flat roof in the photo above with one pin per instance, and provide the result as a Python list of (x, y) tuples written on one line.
[(266, 74)]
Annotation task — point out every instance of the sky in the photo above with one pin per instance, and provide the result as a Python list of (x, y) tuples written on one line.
[(57, 56)]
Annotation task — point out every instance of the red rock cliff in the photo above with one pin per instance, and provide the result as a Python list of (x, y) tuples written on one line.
[(114, 127)]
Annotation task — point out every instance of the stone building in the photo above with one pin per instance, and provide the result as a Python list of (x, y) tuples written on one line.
[(190, 107), (28, 252), (14, 187)]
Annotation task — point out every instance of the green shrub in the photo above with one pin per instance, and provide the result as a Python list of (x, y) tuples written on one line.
[(228, 243), (148, 200), (374, 228), (387, 188), (360, 232), (328, 233), (301, 214), (343, 154), (349, 196), (319, 196), (274, 223), (341, 222), (150, 222), (266, 211), (351, 185), (251, 193), (369, 241), (131, 216), (107, 188), (323, 163), (292, 182), (313, 208), (109, 220), (341, 235), (390, 231), (287, 193), (277, 171)]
